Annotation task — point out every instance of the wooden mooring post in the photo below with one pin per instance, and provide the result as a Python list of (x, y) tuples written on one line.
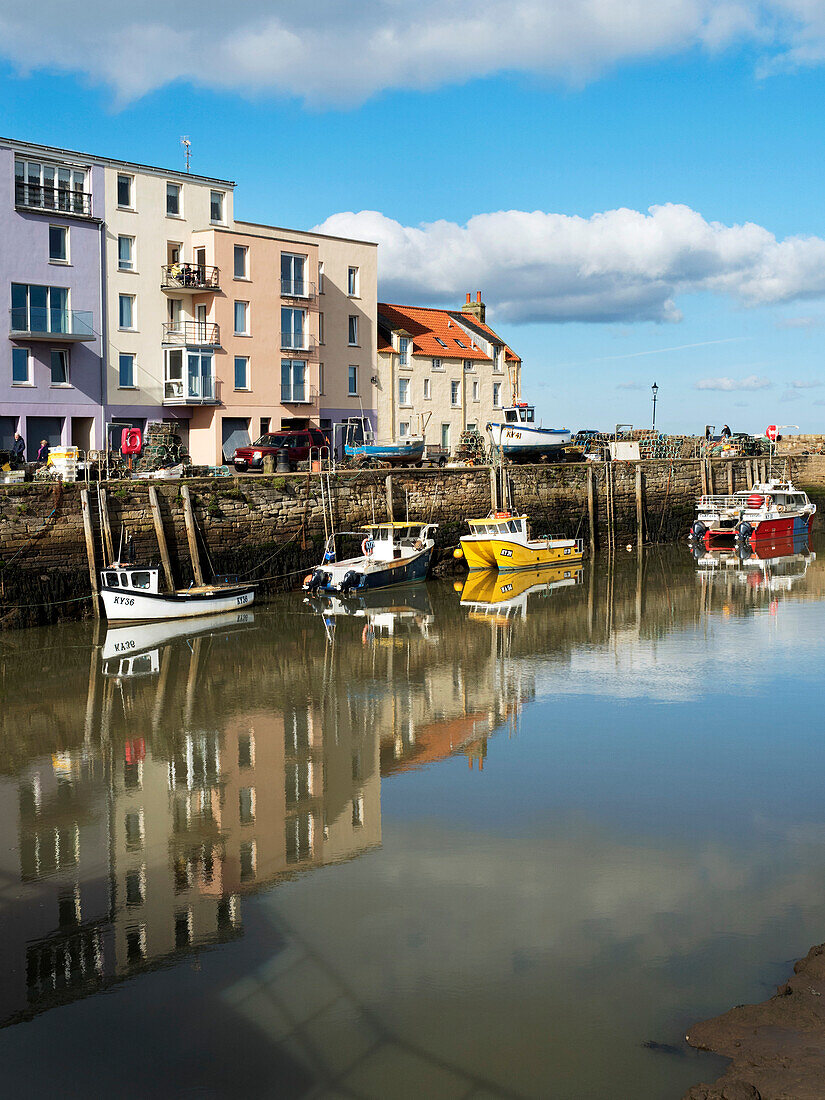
[(90, 550), (494, 488), (640, 537), (703, 478), (191, 534), (157, 519), (108, 546), (591, 507), (730, 477), (388, 490)]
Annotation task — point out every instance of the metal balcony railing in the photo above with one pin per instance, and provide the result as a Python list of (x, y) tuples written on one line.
[(38, 322), (195, 389), (191, 334), (192, 277), (297, 288), (34, 196), (297, 341), (299, 394)]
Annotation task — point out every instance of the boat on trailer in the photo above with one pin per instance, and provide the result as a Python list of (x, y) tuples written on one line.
[(520, 439), (132, 593), (391, 553), (501, 541)]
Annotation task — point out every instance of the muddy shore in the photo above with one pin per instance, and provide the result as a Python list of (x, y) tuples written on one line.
[(777, 1048)]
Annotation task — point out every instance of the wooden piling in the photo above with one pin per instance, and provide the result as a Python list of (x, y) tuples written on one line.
[(108, 546), (711, 486), (591, 506), (493, 488), (388, 489), (90, 550), (639, 513), (703, 477), (157, 519), (191, 534), (730, 477)]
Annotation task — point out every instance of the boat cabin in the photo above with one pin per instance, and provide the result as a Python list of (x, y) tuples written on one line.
[(129, 578), (781, 495), (386, 541), (499, 526), (522, 413), (133, 665)]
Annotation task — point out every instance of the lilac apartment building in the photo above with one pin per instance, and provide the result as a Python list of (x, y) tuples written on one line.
[(51, 242)]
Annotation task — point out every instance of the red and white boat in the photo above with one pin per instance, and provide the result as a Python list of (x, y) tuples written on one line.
[(775, 510)]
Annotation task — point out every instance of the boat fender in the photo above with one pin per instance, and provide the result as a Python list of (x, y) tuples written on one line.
[(458, 553), (419, 544), (367, 547)]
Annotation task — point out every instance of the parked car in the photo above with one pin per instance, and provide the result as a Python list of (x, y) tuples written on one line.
[(297, 441)]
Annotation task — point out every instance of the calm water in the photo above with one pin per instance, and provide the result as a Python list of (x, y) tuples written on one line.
[(440, 846)]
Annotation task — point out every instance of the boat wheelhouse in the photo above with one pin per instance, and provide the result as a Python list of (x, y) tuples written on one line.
[(519, 438), (501, 541), (133, 593), (391, 553)]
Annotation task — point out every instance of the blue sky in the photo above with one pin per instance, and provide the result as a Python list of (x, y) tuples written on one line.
[(587, 172)]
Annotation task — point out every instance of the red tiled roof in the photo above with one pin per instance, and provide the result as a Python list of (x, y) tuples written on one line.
[(384, 343), (426, 327), (508, 351)]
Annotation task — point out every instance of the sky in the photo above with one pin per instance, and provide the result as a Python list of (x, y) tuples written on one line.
[(635, 186)]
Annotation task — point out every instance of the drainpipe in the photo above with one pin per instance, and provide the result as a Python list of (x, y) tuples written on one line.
[(392, 397), (104, 335)]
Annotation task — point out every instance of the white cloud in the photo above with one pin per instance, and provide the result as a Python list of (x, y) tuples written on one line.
[(620, 265), (799, 322), (325, 52), (800, 384), (752, 382)]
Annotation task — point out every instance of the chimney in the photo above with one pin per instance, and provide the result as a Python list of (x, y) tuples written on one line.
[(476, 309)]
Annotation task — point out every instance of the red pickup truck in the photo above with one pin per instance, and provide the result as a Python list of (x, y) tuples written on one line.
[(297, 441)]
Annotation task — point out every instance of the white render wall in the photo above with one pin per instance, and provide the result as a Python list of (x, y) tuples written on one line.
[(152, 228)]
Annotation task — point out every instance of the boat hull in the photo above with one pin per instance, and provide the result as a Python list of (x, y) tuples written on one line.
[(397, 454), (782, 528), (517, 441), (508, 556), (385, 574), (131, 606)]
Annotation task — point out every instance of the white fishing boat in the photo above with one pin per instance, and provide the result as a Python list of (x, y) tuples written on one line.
[(519, 438), (133, 593)]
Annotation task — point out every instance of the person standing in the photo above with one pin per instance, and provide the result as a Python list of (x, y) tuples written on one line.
[(18, 450), (726, 432), (43, 451)]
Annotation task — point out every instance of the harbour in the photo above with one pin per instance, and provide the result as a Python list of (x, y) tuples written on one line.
[(411, 841)]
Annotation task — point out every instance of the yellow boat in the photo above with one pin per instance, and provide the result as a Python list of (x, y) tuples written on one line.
[(500, 541)]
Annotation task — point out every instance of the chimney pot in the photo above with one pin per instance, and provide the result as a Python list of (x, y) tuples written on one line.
[(468, 297), (478, 296)]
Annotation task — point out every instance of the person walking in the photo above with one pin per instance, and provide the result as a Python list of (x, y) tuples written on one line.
[(43, 451), (18, 450)]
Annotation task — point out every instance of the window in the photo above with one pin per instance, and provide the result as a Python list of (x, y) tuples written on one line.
[(438, 340), (241, 372), (476, 391), (124, 191), (126, 311), (293, 326), (358, 812), (455, 393), (293, 275), (403, 391), (134, 829), (352, 378), (471, 425), (59, 367), (460, 343), (51, 187), (469, 364), (298, 838), (135, 887), (320, 328), (248, 860), (496, 395), (353, 331), (58, 244), (44, 309), (438, 364), (445, 437), (352, 282), (241, 262), (216, 206), (246, 750), (20, 367), (126, 372), (193, 378), (246, 805), (126, 253), (320, 276), (241, 318), (403, 429), (135, 945), (293, 381), (498, 364), (426, 389), (183, 928), (404, 351), (173, 200), (321, 378)]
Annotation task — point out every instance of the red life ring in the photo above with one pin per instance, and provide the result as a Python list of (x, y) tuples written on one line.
[(367, 547)]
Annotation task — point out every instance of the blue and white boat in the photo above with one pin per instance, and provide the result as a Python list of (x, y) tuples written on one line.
[(404, 452), (521, 439), (391, 553)]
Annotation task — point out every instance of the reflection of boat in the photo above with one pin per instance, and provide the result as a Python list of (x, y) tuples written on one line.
[(124, 641), (520, 438), (500, 541), (489, 592), (391, 553), (132, 594), (775, 565), (407, 608)]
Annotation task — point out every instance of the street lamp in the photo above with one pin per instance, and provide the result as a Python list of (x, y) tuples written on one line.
[(655, 390)]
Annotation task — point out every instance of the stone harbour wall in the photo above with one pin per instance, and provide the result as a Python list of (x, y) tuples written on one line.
[(272, 529)]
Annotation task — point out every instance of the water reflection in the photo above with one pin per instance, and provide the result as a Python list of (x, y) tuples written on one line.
[(169, 788)]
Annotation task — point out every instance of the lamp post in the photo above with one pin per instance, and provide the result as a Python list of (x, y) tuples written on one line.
[(655, 390)]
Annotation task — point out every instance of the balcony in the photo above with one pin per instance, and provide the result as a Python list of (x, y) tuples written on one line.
[(191, 334), (197, 389), (189, 278), (297, 288), (59, 200), (63, 326), (298, 394), (297, 341)]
